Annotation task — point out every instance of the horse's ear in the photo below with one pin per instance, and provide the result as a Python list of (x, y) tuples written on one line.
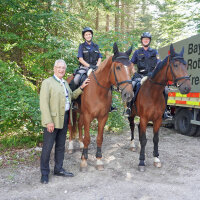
[(182, 52), (115, 48), (172, 52), (129, 50)]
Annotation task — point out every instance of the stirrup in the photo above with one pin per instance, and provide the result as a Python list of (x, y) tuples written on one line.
[(127, 113), (112, 109), (74, 106)]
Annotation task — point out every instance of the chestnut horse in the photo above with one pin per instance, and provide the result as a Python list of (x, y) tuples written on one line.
[(150, 102), (96, 98)]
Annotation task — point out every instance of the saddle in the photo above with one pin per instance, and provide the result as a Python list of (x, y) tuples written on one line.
[(83, 76)]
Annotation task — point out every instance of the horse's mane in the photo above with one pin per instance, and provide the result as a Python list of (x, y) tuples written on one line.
[(159, 67), (104, 64)]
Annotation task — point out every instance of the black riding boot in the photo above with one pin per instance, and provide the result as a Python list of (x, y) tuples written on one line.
[(112, 107), (72, 85), (166, 114), (128, 110)]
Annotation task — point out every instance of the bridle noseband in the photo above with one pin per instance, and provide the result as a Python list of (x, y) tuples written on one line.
[(122, 82), (175, 80)]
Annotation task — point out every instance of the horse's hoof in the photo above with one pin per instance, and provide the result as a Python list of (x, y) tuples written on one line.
[(100, 167), (157, 164), (132, 149), (83, 169), (81, 145), (141, 168), (83, 165), (70, 151)]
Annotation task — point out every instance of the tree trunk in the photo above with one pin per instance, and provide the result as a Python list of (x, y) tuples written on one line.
[(122, 17), (107, 23), (97, 19), (117, 16)]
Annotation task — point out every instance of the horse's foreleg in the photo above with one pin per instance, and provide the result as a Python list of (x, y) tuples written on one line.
[(101, 124), (156, 127), (80, 130), (86, 142), (143, 141), (132, 127)]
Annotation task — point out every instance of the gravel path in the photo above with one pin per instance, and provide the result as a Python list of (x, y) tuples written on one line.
[(177, 179)]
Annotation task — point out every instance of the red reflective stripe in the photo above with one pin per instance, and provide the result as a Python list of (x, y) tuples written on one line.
[(193, 94), (172, 94), (170, 82), (180, 102)]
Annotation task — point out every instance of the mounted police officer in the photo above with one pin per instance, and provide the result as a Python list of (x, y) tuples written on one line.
[(89, 58), (146, 59)]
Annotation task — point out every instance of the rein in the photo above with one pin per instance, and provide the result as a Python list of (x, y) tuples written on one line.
[(98, 82), (175, 80)]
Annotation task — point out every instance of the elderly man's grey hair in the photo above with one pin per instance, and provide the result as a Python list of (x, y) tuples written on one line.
[(60, 61)]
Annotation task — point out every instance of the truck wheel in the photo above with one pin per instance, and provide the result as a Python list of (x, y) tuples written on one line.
[(183, 123), (198, 127), (198, 132)]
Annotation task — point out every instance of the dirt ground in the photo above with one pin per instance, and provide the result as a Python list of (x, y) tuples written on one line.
[(177, 179)]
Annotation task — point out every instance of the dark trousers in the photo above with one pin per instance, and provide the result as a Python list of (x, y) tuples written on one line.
[(58, 136)]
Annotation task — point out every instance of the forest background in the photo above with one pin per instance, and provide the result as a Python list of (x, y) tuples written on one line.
[(34, 33)]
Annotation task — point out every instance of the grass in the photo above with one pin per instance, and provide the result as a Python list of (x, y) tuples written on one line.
[(10, 141)]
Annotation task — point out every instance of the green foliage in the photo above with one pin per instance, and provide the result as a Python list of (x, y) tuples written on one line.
[(20, 141), (105, 40), (116, 122), (33, 34), (19, 102)]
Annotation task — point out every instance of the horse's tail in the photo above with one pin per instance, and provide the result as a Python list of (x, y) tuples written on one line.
[(73, 129)]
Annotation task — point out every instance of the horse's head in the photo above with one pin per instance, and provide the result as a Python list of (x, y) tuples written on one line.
[(178, 71), (121, 73)]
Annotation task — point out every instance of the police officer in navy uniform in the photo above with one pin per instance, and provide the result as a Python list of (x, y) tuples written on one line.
[(89, 55), (146, 59), (89, 58)]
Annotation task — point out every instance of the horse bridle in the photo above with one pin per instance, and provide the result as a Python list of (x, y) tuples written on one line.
[(175, 80), (122, 82), (116, 80)]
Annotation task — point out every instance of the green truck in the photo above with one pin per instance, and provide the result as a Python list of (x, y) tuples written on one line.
[(185, 109)]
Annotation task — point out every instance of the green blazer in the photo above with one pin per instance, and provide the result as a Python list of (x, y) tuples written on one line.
[(52, 102)]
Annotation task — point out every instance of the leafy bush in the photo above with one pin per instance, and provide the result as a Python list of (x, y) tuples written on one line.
[(19, 102)]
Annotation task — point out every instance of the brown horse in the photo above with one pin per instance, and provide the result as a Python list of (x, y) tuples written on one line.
[(150, 102), (96, 98)]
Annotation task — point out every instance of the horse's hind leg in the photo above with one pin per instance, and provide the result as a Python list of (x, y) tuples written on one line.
[(71, 146), (143, 141), (80, 130), (132, 126), (101, 124), (156, 127), (72, 133)]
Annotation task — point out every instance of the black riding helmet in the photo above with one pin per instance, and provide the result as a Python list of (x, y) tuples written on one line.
[(86, 29), (146, 35)]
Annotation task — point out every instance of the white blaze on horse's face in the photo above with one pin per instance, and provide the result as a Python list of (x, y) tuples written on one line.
[(126, 68)]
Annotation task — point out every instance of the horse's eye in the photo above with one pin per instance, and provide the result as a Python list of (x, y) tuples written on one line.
[(118, 68)]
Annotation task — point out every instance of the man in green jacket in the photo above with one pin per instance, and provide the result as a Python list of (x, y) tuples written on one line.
[(55, 104)]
